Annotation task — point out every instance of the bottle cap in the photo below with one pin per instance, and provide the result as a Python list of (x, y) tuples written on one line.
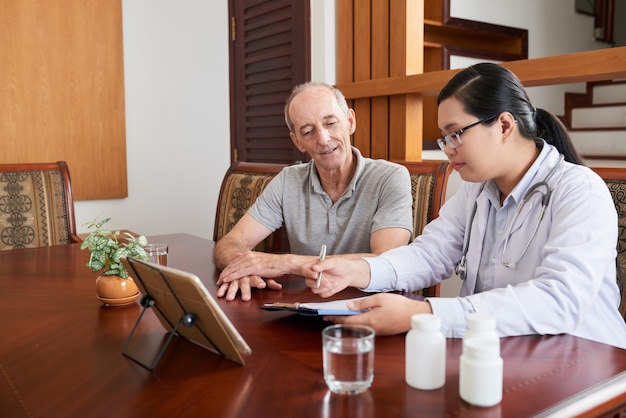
[(427, 322), (481, 321)]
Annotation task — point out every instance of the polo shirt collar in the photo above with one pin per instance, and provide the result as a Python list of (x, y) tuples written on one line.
[(360, 167)]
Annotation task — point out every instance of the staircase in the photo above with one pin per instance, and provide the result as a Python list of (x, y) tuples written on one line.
[(597, 123)]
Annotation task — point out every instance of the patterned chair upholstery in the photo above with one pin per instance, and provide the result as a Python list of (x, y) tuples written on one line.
[(242, 184), (615, 179), (429, 181), (36, 205)]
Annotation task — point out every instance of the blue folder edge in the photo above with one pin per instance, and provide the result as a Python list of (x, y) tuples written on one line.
[(311, 312)]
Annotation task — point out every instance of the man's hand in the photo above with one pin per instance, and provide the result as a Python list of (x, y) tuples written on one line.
[(251, 263), (387, 313), (244, 273), (245, 285)]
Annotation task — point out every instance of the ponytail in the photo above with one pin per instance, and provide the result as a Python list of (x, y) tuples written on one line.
[(554, 132)]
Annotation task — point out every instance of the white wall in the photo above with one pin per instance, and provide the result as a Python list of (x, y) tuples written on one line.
[(323, 35), (177, 117)]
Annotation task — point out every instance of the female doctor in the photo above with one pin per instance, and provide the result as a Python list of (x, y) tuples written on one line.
[(531, 232)]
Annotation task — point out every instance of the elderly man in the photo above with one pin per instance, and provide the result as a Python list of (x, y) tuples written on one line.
[(351, 204)]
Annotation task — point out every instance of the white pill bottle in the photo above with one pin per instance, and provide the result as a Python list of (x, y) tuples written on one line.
[(481, 366), (425, 353)]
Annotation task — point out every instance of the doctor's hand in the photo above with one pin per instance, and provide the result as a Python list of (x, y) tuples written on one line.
[(387, 313), (337, 274)]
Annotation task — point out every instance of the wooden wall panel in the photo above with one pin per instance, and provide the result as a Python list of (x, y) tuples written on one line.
[(387, 41), (433, 61), (345, 40), (379, 145), (362, 71), (407, 37), (437, 10), (62, 90)]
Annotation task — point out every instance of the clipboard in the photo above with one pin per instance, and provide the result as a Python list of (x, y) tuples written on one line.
[(184, 307), (332, 308)]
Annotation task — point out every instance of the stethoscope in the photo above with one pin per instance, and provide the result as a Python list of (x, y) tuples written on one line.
[(461, 266)]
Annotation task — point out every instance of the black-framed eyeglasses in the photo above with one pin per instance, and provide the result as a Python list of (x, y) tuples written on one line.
[(453, 139)]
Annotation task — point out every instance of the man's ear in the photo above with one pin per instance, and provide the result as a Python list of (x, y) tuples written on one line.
[(296, 142), (352, 120)]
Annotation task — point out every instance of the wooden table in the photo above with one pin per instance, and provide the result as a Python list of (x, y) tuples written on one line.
[(60, 355)]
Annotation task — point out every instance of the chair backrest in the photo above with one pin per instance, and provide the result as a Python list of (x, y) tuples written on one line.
[(615, 179), (36, 205), (242, 184), (429, 181)]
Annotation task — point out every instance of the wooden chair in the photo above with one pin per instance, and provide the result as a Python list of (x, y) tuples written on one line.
[(36, 205), (615, 179), (242, 184), (429, 181)]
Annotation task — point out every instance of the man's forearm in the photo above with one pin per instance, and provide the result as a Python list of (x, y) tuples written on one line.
[(225, 251)]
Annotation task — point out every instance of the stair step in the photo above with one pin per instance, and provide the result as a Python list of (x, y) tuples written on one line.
[(609, 93), (599, 117), (600, 143)]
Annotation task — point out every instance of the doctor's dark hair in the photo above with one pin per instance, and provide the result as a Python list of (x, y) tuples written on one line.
[(488, 89)]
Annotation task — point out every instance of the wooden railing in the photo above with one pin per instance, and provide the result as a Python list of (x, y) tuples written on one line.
[(602, 64)]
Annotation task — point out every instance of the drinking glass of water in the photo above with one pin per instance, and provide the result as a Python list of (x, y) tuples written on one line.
[(348, 352), (157, 253)]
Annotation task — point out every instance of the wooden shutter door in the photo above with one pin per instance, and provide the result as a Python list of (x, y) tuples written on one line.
[(269, 55)]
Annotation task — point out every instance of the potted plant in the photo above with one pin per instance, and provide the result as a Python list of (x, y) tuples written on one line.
[(113, 286)]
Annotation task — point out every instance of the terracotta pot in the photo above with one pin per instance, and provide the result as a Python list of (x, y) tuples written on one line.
[(116, 291)]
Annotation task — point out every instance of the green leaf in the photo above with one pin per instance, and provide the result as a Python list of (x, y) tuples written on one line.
[(106, 249), (102, 222)]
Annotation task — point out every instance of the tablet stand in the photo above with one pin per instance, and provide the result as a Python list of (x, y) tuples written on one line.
[(187, 319)]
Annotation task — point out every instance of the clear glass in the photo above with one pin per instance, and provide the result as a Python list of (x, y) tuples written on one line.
[(348, 354), (157, 253)]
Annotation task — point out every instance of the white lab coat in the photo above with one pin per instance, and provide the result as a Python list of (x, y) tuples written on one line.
[(564, 283)]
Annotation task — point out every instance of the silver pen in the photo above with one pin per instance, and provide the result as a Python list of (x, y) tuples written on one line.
[(322, 258)]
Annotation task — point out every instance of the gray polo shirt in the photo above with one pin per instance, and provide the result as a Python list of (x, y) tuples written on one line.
[(378, 197)]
